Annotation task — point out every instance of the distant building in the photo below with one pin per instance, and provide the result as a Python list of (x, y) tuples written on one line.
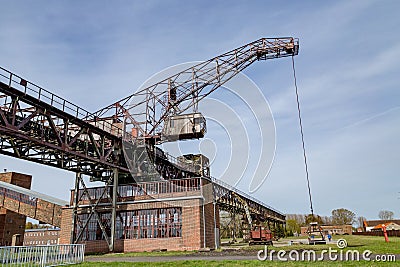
[(345, 229), (43, 236), (374, 225)]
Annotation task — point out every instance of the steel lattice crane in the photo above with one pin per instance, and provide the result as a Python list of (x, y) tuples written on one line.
[(39, 126), (147, 109), (167, 110)]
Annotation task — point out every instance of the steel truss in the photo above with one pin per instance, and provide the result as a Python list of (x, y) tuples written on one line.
[(233, 200), (224, 197), (147, 109), (39, 126), (107, 227)]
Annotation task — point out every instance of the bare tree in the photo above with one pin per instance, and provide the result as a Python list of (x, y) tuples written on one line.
[(386, 215), (313, 218), (360, 221), (327, 220)]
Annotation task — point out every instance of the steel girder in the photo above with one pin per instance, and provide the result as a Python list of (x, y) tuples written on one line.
[(232, 200), (34, 130)]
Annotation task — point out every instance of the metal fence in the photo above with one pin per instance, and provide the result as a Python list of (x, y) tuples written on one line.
[(379, 233), (42, 255)]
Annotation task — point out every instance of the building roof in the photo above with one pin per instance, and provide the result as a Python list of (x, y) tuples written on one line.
[(42, 229), (378, 226), (33, 194), (392, 224)]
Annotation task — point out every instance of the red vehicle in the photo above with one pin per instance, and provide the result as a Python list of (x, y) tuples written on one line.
[(260, 235)]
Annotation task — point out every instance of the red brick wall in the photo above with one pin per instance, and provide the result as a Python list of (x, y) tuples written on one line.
[(210, 223), (11, 222), (191, 226), (66, 225), (22, 180)]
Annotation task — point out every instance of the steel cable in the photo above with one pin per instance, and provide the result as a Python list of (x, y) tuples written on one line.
[(302, 137)]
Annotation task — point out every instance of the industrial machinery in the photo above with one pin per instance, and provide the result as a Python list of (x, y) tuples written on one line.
[(168, 110), (200, 163), (260, 235), (186, 126), (315, 234), (119, 143)]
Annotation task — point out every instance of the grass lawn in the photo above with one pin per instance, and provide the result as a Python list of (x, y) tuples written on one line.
[(376, 245)]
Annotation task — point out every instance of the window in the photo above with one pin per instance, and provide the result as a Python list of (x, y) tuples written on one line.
[(154, 223), (137, 224), (93, 230)]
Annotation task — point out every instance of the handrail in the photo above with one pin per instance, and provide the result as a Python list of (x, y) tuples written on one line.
[(243, 194), (43, 95)]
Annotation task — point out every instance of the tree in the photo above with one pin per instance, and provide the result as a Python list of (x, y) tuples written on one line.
[(299, 218), (313, 218), (327, 220), (29, 225), (360, 221), (343, 216), (386, 215), (292, 226), (278, 231)]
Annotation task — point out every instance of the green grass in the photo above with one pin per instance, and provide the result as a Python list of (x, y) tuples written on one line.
[(376, 245), (230, 263)]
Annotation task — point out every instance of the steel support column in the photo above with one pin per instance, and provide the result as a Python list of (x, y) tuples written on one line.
[(216, 238), (75, 207), (113, 210)]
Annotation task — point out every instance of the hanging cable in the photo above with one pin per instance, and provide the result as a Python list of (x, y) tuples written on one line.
[(302, 137)]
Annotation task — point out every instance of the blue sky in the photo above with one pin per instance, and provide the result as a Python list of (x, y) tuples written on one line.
[(95, 52)]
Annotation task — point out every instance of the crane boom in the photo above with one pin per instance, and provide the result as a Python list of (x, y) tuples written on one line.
[(147, 109)]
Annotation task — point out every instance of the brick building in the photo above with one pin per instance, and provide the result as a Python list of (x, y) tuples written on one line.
[(170, 215), (345, 229), (12, 223), (371, 224), (43, 236), (176, 214)]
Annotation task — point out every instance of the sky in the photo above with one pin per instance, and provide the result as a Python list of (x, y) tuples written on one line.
[(96, 52)]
